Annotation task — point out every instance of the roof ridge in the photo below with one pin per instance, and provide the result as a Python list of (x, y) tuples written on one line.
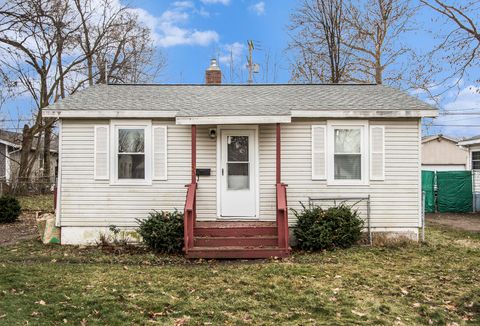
[(247, 85)]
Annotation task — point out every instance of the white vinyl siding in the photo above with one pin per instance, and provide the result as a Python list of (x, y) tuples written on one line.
[(101, 155), (90, 202), (377, 153), (394, 200), (319, 139), (160, 152)]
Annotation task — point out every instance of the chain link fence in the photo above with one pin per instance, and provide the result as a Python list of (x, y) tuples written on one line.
[(27, 186)]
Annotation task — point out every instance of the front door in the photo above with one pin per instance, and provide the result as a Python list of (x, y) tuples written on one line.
[(238, 186)]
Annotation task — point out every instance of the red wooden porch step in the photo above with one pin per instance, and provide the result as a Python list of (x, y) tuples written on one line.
[(236, 240)]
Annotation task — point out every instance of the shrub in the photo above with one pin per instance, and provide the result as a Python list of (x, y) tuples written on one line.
[(9, 209), (163, 231), (336, 227)]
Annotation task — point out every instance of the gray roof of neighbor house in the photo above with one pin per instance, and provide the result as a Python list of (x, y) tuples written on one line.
[(11, 137), (470, 141), (426, 139), (240, 100), (15, 139)]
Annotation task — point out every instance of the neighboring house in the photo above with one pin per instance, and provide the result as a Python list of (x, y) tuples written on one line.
[(441, 153), (126, 150), (473, 146), (10, 152)]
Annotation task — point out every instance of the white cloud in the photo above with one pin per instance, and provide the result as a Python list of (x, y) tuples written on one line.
[(209, 2), (184, 4), (203, 12), (467, 100), (231, 53), (258, 8), (169, 28)]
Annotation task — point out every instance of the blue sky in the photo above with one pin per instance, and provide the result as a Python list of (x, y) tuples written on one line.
[(214, 28), (190, 32)]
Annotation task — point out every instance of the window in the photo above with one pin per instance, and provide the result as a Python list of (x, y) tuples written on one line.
[(347, 163), (132, 153), (347, 154), (476, 160), (238, 163)]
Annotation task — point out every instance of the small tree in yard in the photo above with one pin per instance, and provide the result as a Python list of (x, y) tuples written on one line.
[(163, 231), (9, 209), (336, 227)]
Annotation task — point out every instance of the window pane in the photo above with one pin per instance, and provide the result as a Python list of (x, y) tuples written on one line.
[(348, 167), (237, 148), (476, 156), (131, 141), (237, 176), (347, 140), (131, 166), (476, 165)]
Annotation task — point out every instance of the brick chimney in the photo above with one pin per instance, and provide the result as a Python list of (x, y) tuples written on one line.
[(213, 74)]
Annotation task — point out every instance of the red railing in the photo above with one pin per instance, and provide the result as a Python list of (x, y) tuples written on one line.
[(189, 216), (282, 217)]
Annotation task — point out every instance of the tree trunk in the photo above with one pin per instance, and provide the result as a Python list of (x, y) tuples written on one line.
[(47, 137), (378, 74)]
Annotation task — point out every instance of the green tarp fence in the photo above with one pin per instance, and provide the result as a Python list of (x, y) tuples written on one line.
[(428, 186), (454, 191)]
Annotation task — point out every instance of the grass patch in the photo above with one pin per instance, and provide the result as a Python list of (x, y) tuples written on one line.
[(436, 283), (42, 203)]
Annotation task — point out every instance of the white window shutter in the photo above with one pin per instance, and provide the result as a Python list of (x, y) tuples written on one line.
[(319, 152), (377, 153), (101, 155), (160, 152)]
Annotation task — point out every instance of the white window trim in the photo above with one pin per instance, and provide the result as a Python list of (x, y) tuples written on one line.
[(330, 151), (471, 159), (130, 124)]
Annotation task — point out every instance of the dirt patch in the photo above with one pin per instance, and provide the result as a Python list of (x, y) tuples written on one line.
[(23, 229), (466, 222)]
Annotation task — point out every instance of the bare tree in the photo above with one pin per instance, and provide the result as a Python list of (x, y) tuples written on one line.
[(458, 46), (373, 38), (318, 27), (30, 34), (39, 46)]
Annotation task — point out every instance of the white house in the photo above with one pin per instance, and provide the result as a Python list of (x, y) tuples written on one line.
[(126, 150), (10, 153), (473, 146)]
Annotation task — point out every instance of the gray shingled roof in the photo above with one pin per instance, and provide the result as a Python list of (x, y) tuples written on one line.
[(234, 100), (11, 137), (16, 138)]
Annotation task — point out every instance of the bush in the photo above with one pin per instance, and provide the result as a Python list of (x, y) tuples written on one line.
[(9, 209), (336, 227), (163, 231)]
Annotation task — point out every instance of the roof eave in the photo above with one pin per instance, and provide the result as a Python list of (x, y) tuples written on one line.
[(53, 113), (469, 142), (428, 113), (229, 120)]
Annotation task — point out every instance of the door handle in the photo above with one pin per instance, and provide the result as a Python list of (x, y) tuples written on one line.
[(222, 172)]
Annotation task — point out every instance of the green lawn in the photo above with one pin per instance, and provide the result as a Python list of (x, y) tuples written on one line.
[(437, 283)]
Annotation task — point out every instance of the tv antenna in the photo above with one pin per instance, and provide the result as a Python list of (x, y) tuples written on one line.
[(252, 67)]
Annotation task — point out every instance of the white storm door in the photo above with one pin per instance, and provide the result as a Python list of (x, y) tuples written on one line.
[(238, 186)]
